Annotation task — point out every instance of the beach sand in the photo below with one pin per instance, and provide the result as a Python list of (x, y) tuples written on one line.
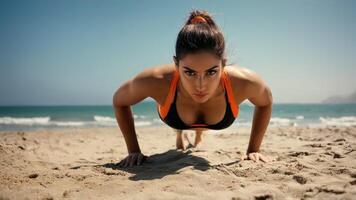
[(317, 163)]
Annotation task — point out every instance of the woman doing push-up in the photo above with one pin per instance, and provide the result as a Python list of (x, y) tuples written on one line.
[(198, 91)]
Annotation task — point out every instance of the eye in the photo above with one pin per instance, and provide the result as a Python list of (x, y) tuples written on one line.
[(211, 72), (189, 73)]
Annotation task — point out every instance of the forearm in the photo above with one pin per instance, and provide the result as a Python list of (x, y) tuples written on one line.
[(126, 123), (261, 118)]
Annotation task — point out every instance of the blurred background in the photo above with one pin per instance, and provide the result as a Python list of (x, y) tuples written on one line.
[(61, 61)]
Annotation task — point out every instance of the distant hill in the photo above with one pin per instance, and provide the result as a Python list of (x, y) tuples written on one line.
[(341, 99)]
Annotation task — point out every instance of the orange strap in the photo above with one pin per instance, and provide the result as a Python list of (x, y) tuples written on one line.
[(230, 94), (163, 110)]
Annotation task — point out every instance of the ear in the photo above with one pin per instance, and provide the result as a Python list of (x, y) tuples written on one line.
[(175, 61)]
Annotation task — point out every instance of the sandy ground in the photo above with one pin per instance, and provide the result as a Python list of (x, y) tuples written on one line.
[(316, 163)]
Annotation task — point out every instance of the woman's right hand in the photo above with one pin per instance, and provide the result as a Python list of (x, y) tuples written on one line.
[(133, 159)]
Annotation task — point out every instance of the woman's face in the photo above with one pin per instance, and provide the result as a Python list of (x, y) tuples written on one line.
[(200, 75)]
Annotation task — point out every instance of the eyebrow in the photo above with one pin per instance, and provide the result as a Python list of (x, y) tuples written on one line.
[(205, 70)]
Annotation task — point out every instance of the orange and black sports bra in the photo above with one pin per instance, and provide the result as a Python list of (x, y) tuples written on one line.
[(168, 111)]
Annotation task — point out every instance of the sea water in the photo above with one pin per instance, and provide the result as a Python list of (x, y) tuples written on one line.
[(145, 114)]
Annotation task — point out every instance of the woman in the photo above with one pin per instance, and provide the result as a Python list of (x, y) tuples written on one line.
[(197, 92)]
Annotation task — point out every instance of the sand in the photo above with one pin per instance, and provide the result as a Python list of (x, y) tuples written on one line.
[(316, 163)]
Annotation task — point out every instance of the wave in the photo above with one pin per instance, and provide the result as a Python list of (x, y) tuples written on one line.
[(139, 116), (242, 124), (25, 121), (300, 117), (110, 121), (68, 123), (143, 123), (42, 121), (277, 121), (104, 119), (339, 121)]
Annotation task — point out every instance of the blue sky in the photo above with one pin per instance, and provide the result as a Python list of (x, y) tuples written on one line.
[(79, 52)]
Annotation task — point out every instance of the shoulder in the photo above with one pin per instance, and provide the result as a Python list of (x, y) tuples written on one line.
[(239, 73), (155, 80), (156, 74), (245, 82), (152, 82)]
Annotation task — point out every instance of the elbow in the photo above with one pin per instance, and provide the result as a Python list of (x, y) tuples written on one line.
[(116, 98), (270, 96), (268, 100), (121, 97)]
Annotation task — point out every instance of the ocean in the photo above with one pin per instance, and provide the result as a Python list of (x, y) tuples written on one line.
[(22, 118)]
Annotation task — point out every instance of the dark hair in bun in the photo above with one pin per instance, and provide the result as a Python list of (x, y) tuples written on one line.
[(200, 33)]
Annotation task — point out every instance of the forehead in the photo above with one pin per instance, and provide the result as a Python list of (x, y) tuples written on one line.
[(200, 61)]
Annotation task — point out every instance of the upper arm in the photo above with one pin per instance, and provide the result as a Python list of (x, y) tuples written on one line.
[(136, 89), (257, 91)]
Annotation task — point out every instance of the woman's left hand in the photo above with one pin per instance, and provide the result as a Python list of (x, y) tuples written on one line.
[(255, 156)]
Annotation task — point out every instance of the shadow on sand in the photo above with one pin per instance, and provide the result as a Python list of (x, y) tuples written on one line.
[(160, 165), (163, 164)]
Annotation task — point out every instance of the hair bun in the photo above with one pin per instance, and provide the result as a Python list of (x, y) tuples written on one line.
[(200, 33), (198, 19)]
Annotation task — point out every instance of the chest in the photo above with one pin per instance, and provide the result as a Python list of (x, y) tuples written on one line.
[(209, 113)]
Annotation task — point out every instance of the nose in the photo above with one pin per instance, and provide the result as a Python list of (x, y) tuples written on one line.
[(200, 83)]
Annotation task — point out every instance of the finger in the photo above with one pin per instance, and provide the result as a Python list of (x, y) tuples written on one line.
[(252, 157), (133, 159), (257, 156), (246, 157), (264, 158)]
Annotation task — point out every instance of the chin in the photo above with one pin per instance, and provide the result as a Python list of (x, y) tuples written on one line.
[(200, 100)]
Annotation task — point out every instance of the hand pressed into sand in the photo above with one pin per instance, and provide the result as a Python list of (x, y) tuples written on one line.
[(133, 159), (255, 156)]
